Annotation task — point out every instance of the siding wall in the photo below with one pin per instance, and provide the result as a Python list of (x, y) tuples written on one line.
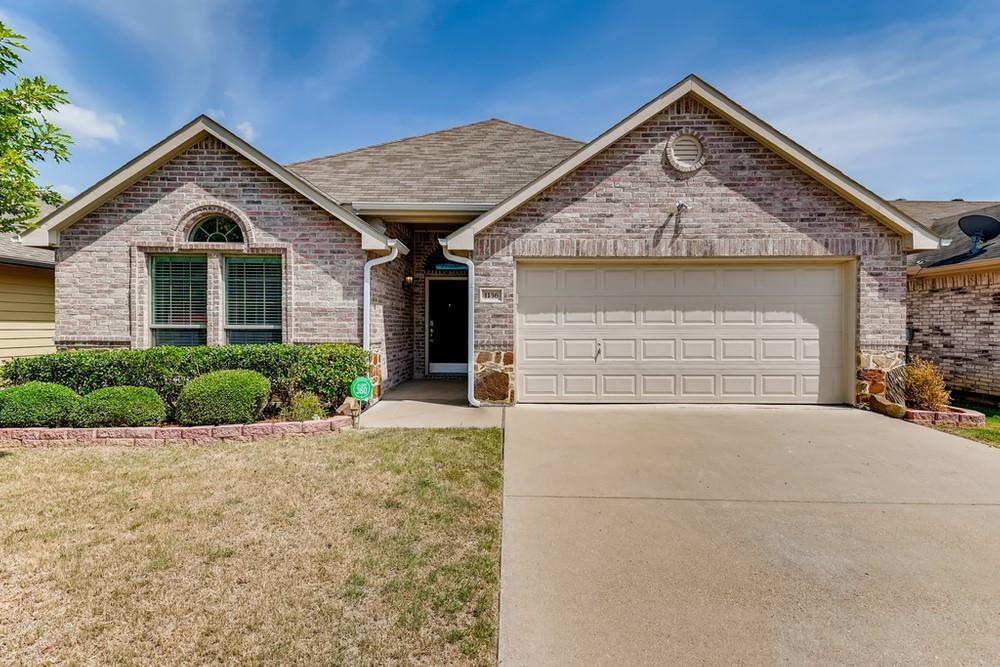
[(27, 311)]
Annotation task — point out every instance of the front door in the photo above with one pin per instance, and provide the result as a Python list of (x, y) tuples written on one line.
[(447, 325)]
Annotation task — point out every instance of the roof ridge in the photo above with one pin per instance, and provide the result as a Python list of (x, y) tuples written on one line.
[(428, 134), (535, 130)]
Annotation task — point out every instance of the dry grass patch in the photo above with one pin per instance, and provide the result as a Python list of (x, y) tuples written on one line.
[(371, 547)]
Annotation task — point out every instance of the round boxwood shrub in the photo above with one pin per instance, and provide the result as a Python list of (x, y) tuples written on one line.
[(223, 397), (37, 404), (119, 406)]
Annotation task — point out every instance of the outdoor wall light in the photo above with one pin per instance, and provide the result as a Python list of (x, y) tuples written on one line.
[(407, 282)]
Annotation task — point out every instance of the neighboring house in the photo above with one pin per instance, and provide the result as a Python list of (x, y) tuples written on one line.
[(954, 299), (691, 253), (27, 297)]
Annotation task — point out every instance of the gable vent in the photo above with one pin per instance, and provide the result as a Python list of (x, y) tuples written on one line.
[(685, 152)]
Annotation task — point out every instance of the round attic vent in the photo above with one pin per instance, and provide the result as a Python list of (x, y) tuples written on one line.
[(685, 152)]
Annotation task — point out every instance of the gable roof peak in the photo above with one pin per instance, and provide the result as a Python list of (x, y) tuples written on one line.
[(47, 233), (915, 235)]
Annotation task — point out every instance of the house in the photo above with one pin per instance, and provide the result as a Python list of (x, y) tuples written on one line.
[(27, 297), (954, 299), (690, 253)]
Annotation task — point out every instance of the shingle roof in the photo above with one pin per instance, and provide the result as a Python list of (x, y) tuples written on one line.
[(12, 252), (479, 163), (942, 217)]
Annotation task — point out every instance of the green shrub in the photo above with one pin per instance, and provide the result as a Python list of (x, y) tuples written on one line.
[(37, 404), (119, 406), (303, 406), (326, 369), (925, 386), (223, 397)]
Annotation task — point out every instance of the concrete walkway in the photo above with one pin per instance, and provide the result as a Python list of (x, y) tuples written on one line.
[(429, 404), (679, 535)]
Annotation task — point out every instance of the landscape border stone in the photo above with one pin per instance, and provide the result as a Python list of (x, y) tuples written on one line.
[(151, 436), (950, 416)]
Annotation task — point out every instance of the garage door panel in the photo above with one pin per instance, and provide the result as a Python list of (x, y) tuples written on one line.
[(770, 334)]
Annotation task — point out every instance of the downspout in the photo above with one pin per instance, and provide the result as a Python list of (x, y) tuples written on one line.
[(471, 326), (366, 316)]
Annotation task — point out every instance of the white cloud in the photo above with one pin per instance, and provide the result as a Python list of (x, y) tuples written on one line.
[(67, 191), (909, 110), (217, 114), (246, 130), (87, 126)]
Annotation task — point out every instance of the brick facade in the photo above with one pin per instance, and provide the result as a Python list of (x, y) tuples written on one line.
[(102, 270), (391, 320), (954, 320), (745, 202)]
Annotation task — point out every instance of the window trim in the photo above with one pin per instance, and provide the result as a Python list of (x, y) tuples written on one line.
[(153, 325), (227, 328)]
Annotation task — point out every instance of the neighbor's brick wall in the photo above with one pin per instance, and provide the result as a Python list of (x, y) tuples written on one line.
[(746, 202), (100, 275), (955, 322), (391, 314)]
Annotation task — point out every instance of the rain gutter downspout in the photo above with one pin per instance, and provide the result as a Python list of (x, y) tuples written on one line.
[(366, 315), (470, 327)]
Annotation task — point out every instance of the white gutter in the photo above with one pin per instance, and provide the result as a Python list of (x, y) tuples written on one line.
[(366, 315), (470, 382)]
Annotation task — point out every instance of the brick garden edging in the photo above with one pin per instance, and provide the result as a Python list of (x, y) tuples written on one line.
[(951, 416), (151, 436)]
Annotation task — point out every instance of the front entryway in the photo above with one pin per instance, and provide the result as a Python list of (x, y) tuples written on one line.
[(447, 325)]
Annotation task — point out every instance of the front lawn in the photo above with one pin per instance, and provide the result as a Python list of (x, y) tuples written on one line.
[(369, 547), (990, 434)]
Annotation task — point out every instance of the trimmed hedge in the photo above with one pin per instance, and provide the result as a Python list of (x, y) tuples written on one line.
[(326, 369), (223, 397), (119, 406), (37, 404)]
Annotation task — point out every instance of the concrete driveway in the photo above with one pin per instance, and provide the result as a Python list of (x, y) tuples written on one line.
[(680, 535)]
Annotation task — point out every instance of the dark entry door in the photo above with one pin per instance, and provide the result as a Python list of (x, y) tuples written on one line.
[(447, 322)]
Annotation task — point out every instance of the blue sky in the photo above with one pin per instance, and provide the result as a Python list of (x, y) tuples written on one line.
[(903, 96)]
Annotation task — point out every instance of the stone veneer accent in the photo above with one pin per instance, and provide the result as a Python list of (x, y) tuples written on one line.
[(745, 202), (954, 320), (151, 436)]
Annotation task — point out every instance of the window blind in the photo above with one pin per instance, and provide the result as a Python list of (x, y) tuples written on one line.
[(179, 299), (253, 299)]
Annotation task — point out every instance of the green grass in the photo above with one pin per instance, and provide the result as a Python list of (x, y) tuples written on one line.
[(371, 547), (990, 434)]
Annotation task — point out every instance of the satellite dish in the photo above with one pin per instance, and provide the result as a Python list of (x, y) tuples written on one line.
[(980, 228)]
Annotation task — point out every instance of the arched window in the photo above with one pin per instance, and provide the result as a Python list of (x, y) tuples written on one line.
[(216, 229)]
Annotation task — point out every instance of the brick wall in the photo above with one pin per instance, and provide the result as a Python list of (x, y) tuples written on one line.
[(101, 276), (391, 314), (955, 322), (745, 202)]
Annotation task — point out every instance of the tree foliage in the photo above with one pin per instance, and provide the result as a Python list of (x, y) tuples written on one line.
[(26, 137)]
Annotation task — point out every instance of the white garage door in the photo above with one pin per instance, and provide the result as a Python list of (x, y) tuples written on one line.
[(701, 333)]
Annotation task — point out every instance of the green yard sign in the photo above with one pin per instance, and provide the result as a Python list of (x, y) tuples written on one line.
[(361, 388)]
